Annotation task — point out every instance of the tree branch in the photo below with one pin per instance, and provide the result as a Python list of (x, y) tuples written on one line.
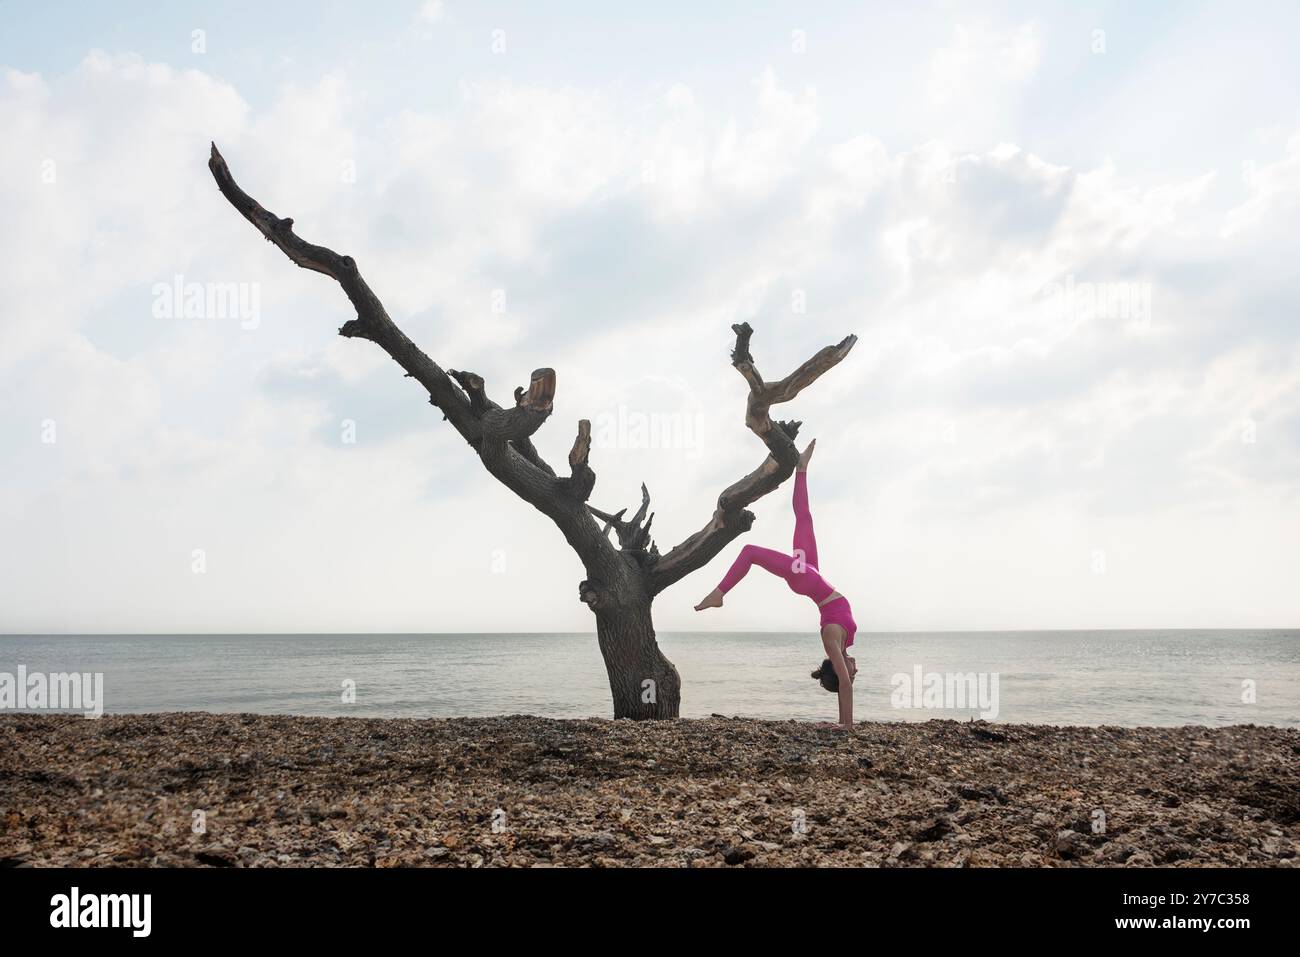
[(633, 536), (502, 437), (372, 321), (731, 518), (582, 479)]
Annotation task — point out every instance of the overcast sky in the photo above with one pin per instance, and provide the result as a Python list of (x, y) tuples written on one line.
[(1065, 236)]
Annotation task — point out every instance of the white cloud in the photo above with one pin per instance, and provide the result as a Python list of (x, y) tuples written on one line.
[(1274, 188), (977, 431), (982, 60), (431, 11)]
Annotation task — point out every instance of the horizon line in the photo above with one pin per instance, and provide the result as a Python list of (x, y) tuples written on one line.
[(739, 631)]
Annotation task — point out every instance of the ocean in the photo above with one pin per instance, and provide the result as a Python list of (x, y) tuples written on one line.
[(1129, 678)]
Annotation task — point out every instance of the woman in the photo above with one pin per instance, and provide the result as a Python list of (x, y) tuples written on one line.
[(799, 570)]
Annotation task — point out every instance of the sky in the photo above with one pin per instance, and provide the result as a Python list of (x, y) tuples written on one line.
[(1063, 233)]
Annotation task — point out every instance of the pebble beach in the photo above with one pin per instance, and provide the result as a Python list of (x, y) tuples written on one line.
[(196, 789)]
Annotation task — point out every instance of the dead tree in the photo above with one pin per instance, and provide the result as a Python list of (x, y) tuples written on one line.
[(622, 581)]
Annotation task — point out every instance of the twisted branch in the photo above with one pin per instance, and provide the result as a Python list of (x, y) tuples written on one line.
[(731, 517)]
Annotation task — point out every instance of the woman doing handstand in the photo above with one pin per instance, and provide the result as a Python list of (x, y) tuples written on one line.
[(800, 571)]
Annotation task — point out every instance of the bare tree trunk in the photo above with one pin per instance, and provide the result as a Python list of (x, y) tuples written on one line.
[(622, 582), (643, 683)]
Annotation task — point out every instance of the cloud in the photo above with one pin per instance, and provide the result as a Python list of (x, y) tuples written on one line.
[(982, 60), (1274, 188), (614, 233), (431, 11)]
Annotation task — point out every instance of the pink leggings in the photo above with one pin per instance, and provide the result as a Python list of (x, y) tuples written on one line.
[(798, 569)]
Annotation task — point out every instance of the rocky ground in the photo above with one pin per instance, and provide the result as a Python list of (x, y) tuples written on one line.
[(519, 791)]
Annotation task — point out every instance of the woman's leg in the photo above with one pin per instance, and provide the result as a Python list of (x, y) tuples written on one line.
[(805, 542), (781, 565), (778, 563)]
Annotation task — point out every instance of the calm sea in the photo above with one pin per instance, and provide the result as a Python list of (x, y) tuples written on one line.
[(1054, 677)]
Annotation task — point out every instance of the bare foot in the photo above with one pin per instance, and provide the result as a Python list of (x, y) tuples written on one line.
[(805, 455), (712, 600)]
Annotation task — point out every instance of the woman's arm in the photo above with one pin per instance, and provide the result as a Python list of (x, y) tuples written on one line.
[(831, 641), (846, 698)]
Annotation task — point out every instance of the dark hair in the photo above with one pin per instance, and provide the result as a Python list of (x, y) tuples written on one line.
[(827, 676)]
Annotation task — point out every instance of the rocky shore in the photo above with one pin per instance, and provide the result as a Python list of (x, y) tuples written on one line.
[(197, 789)]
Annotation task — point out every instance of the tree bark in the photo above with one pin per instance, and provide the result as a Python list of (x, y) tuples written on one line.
[(621, 582), (643, 683)]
